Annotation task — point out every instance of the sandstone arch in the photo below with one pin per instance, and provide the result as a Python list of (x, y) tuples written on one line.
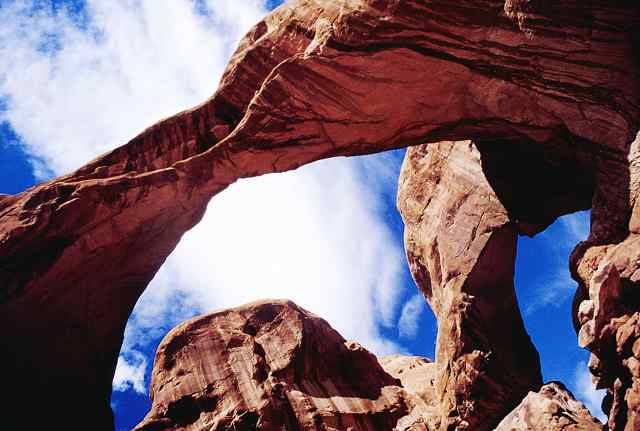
[(316, 79), (464, 205)]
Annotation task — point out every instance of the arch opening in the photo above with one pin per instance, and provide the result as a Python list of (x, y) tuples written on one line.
[(327, 236), (545, 293)]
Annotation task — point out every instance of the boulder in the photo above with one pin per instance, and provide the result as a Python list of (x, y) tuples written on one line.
[(272, 366)]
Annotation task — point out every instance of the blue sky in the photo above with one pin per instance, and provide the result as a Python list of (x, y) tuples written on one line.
[(78, 78)]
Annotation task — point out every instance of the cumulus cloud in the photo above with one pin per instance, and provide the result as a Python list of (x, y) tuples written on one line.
[(77, 84), (130, 373), (410, 316), (312, 236), (587, 393)]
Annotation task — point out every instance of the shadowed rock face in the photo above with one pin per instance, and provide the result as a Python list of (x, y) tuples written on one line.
[(273, 366), (606, 307), (317, 79)]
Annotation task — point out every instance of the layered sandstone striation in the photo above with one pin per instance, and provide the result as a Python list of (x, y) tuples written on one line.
[(323, 78), (272, 366)]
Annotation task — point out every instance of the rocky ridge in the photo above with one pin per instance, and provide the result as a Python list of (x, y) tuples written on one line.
[(271, 365)]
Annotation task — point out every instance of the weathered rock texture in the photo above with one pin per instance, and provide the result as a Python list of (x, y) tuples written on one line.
[(314, 79), (607, 304), (273, 366), (461, 242), (553, 408), (463, 206), (417, 375)]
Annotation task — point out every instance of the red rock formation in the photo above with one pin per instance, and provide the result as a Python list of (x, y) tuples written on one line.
[(416, 375), (607, 303), (553, 408), (314, 79), (461, 246), (463, 206), (273, 366)]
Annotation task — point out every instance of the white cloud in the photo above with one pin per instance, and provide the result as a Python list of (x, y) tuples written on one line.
[(560, 239), (136, 62), (410, 316), (586, 392), (557, 287), (312, 236), (577, 227), (315, 235), (130, 373)]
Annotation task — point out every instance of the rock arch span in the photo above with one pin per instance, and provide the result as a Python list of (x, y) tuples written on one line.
[(317, 79)]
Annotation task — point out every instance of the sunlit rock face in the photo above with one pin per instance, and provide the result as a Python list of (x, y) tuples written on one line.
[(552, 408), (463, 206), (417, 375), (273, 366), (316, 79), (461, 249)]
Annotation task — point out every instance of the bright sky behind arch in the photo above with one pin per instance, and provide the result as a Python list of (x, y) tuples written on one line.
[(78, 78)]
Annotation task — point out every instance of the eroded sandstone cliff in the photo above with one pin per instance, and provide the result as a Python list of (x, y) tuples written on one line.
[(316, 79), (607, 317), (272, 366)]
